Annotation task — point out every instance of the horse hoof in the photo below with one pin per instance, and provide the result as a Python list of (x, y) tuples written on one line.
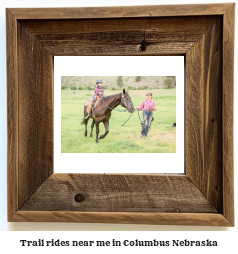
[(85, 135), (97, 141), (91, 136)]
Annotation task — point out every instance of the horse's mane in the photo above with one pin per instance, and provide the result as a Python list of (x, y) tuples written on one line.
[(113, 96)]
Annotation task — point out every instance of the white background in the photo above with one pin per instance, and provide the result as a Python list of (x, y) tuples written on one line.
[(119, 66), (10, 240)]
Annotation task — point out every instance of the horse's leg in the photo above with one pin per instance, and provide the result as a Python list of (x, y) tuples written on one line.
[(106, 125), (86, 123), (91, 135), (97, 129)]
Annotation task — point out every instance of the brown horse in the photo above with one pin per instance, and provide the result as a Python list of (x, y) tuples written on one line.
[(102, 112)]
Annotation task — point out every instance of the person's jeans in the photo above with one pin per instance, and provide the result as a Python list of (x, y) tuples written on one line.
[(147, 116)]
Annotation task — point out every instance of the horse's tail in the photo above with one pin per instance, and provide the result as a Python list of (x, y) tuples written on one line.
[(83, 122), (86, 115)]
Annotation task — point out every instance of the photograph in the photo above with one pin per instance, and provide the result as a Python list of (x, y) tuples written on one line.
[(118, 114)]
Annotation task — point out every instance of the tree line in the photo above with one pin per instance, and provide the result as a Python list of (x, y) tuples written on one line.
[(169, 83)]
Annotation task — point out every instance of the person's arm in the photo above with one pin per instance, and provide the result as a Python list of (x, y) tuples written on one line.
[(141, 106), (154, 106)]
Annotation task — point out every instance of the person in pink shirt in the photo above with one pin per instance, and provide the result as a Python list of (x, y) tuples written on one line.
[(148, 106)]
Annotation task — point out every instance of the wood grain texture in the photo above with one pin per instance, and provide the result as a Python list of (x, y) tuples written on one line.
[(204, 114), (227, 113), (12, 114), (140, 193), (179, 25), (35, 111), (192, 219), (121, 11), (119, 36), (72, 48)]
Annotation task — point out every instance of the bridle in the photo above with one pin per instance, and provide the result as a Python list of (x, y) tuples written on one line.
[(122, 98)]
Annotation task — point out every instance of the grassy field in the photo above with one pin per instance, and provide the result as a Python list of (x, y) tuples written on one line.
[(121, 139)]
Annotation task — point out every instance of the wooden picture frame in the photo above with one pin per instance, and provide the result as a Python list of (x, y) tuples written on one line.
[(204, 34)]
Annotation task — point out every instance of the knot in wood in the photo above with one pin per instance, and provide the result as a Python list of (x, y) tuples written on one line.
[(79, 197), (143, 45)]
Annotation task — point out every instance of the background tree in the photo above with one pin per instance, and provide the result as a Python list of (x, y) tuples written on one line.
[(138, 78), (120, 81), (169, 82)]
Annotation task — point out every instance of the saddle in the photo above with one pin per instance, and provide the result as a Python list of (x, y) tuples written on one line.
[(88, 105), (95, 103)]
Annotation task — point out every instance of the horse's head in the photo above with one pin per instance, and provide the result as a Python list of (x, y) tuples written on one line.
[(126, 101)]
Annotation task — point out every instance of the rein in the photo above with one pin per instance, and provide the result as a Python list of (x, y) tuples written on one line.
[(124, 110), (138, 115), (128, 118), (146, 117)]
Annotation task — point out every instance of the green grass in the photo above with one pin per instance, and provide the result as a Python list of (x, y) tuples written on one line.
[(121, 139)]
